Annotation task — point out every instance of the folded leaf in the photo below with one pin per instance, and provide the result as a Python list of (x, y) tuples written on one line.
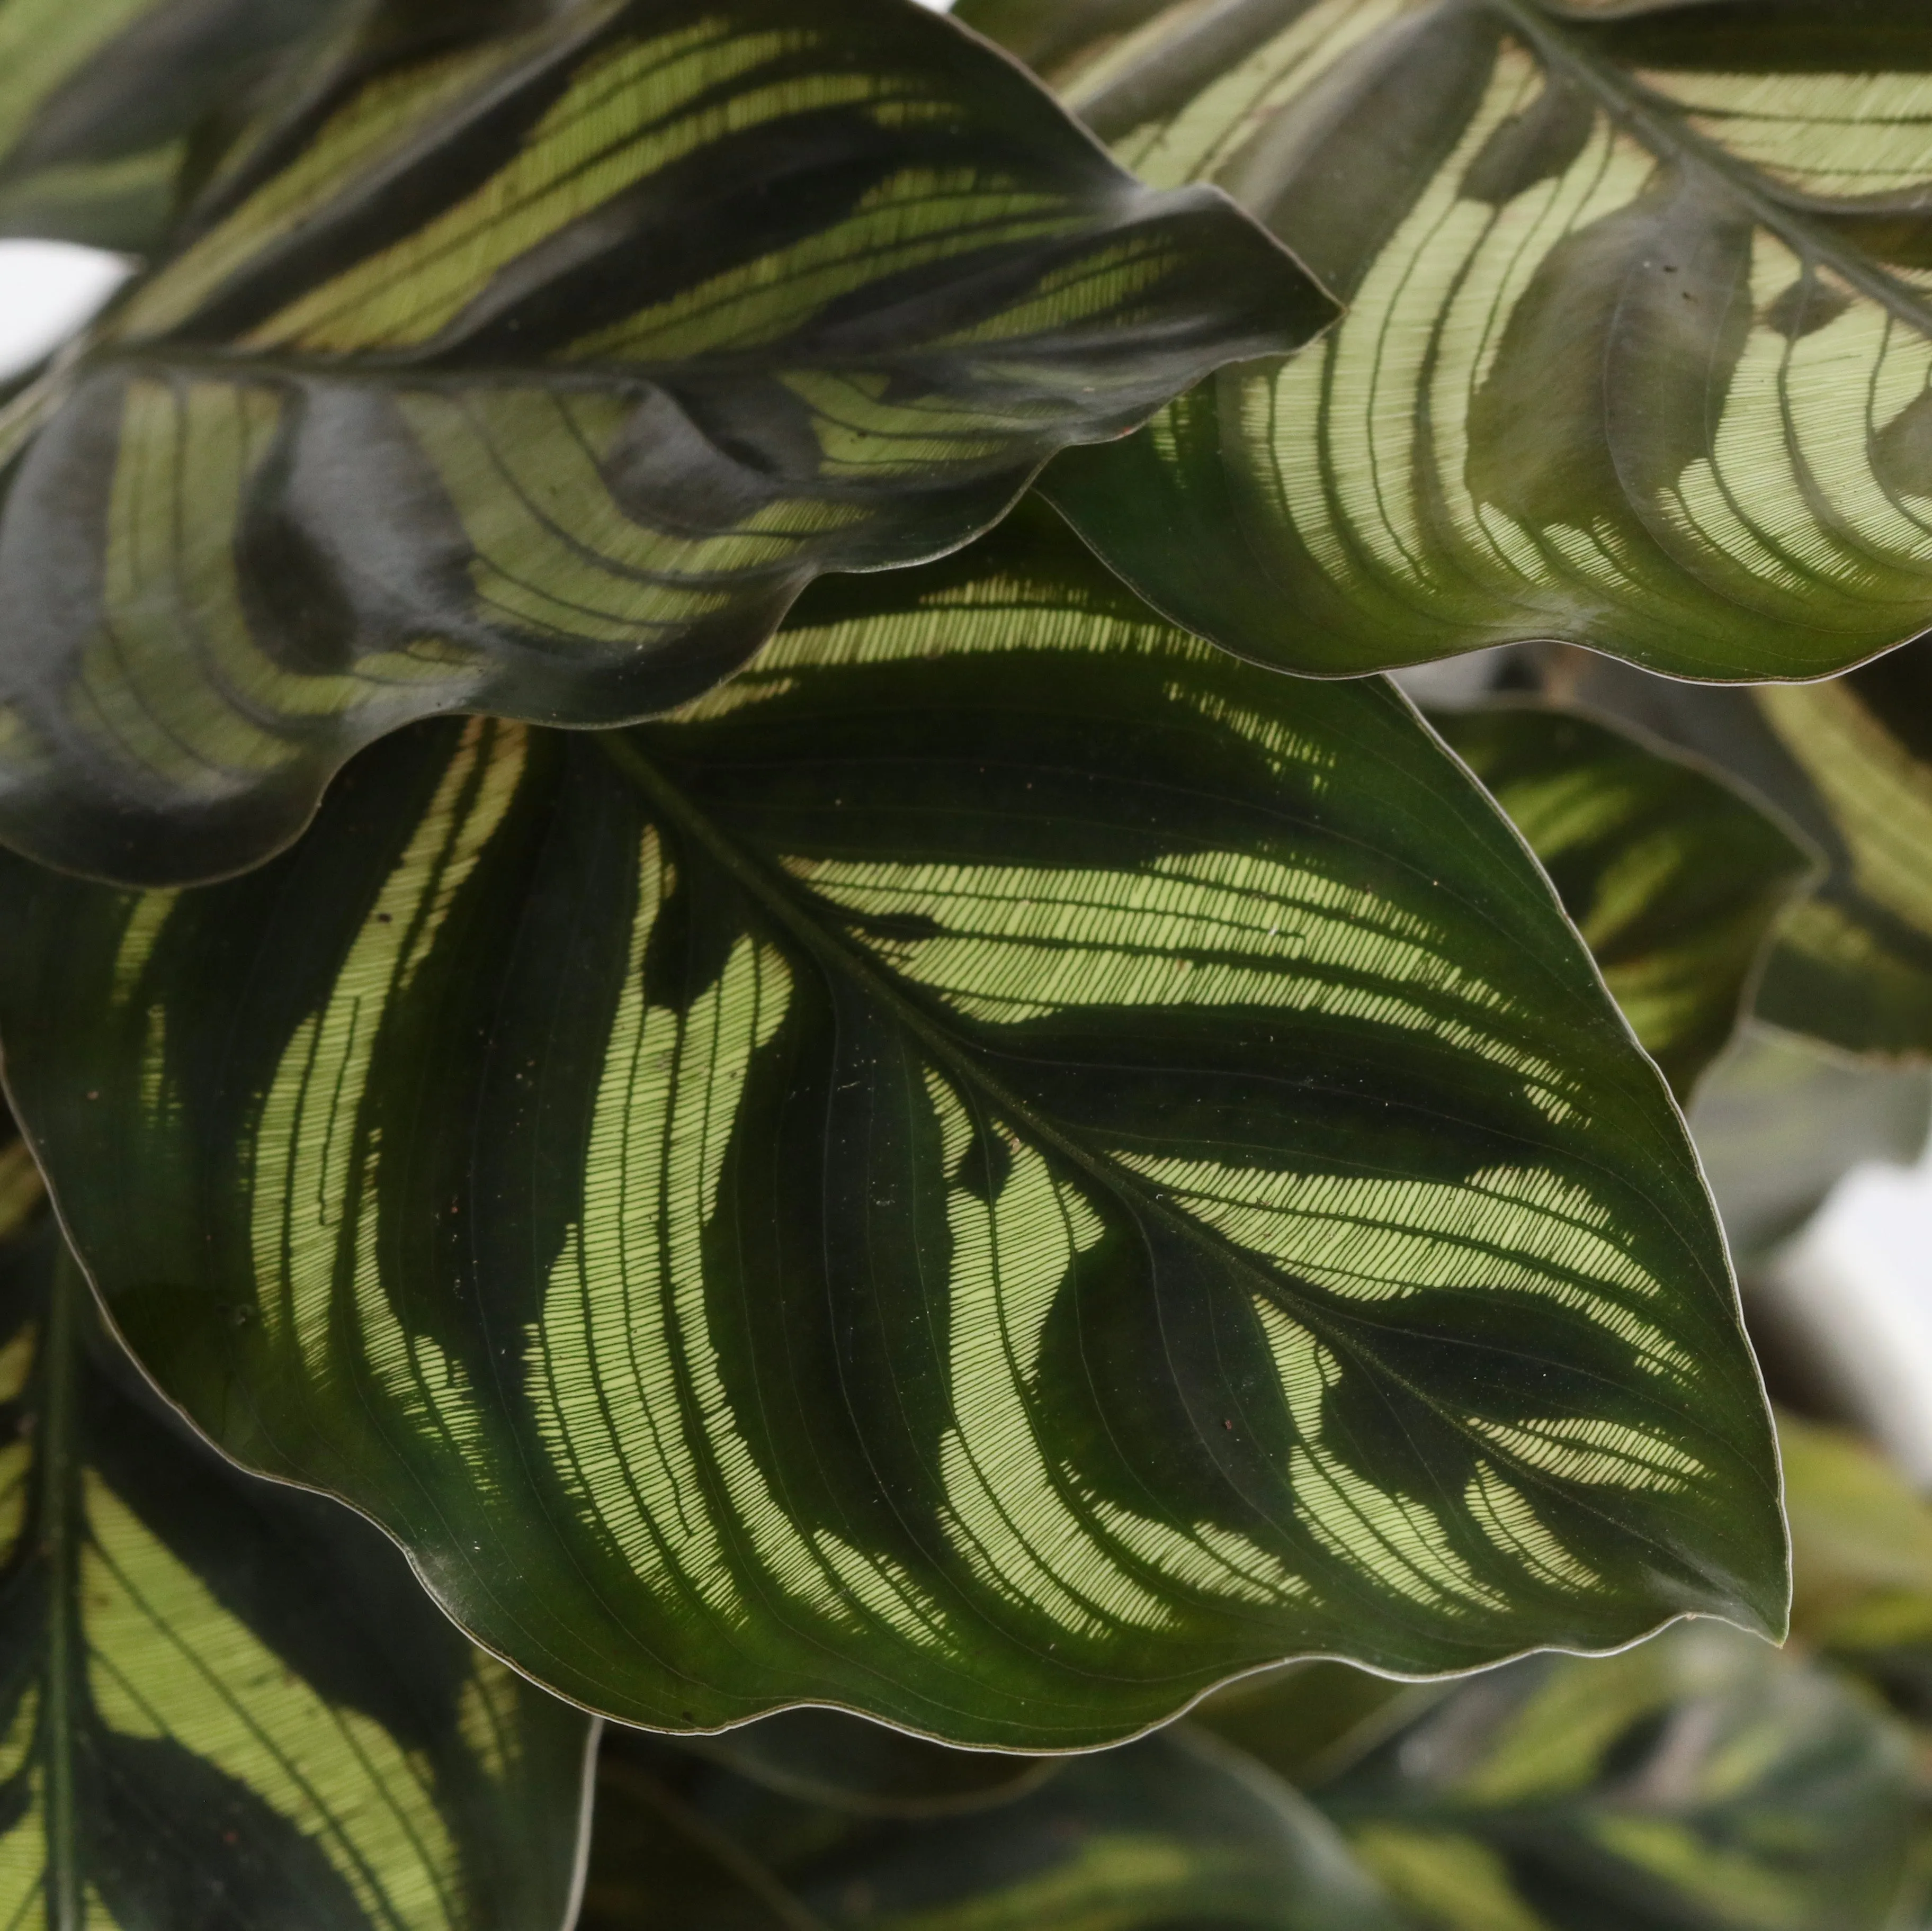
[(538, 376), (1701, 1782), (1176, 1831), (99, 102), (228, 1704), (1675, 879), (1639, 338), (1849, 762), (1001, 1168)]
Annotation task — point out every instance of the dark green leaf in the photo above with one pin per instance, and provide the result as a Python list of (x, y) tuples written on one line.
[(1778, 1123), (227, 1705), (1308, 1721), (1639, 341), (1700, 1783), (1000, 1168), (1175, 1833), (537, 377), (1849, 761), (1675, 879), (99, 100), (827, 1758)]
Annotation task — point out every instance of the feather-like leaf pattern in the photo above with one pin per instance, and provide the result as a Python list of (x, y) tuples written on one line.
[(226, 1704), (536, 371), (1849, 761), (1639, 340), (999, 1169), (1674, 878)]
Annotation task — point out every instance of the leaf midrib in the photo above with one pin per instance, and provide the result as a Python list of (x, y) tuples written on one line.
[(1664, 132), (778, 897), (58, 1448)]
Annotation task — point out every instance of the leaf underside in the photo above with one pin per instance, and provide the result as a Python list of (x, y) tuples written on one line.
[(1174, 1831), (999, 1169), (1700, 1782), (1850, 762), (1675, 879), (228, 1704), (535, 372), (1639, 340)]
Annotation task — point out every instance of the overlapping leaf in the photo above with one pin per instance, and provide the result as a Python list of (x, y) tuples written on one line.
[(536, 372), (228, 1704), (1639, 341), (99, 103), (1850, 762), (1674, 879), (1700, 1782), (1779, 1122), (826, 1758), (1000, 1168), (1175, 1830)]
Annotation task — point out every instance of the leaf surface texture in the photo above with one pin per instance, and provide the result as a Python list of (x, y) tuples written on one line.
[(999, 1169), (1639, 338)]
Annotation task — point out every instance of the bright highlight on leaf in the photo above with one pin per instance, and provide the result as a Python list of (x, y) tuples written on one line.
[(227, 1705), (995, 1170), (1674, 879), (1638, 339), (537, 374)]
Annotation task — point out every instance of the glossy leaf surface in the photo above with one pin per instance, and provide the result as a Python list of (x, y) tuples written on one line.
[(228, 1704), (1175, 1830), (1639, 331), (1698, 1782), (1849, 762), (99, 102), (999, 1169), (1674, 878), (537, 374)]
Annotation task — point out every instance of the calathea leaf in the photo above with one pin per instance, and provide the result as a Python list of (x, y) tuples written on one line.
[(536, 375), (1639, 336), (1700, 1783), (1674, 878), (99, 102), (842, 1762), (226, 1703), (1000, 1168), (1849, 761), (1309, 1721), (1177, 1830)]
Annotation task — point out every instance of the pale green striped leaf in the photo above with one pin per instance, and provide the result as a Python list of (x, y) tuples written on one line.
[(1700, 1783), (535, 374), (1173, 1833), (1849, 761), (1674, 878), (1639, 336), (228, 1705), (1000, 1168), (100, 100)]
